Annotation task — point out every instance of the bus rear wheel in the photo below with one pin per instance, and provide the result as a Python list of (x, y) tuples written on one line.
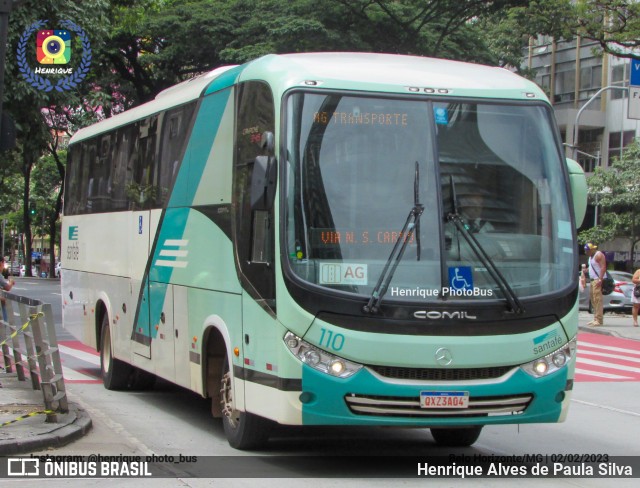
[(244, 430), (456, 436), (115, 373)]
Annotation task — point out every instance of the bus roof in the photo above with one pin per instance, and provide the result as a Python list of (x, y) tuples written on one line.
[(390, 73), (373, 72)]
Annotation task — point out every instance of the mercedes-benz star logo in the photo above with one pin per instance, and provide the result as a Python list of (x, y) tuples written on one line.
[(444, 356)]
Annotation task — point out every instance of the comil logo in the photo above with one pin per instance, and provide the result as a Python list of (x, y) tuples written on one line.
[(53, 46), (53, 56)]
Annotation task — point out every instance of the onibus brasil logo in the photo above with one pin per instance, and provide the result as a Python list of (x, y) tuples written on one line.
[(53, 51)]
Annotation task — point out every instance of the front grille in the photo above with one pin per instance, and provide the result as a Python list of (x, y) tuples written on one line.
[(388, 406), (441, 374)]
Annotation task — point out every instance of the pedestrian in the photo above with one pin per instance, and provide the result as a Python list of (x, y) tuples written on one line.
[(6, 285), (597, 267), (635, 299), (583, 277)]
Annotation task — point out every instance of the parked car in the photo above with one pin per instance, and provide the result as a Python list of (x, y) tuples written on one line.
[(15, 269), (23, 271), (619, 299)]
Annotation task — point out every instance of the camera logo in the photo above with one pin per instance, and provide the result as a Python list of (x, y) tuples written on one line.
[(53, 53), (53, 46)]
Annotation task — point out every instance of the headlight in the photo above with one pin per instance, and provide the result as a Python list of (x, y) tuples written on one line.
[(552, 362), (319, 359)]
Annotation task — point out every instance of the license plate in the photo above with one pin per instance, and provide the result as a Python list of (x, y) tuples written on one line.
[(444, 399)]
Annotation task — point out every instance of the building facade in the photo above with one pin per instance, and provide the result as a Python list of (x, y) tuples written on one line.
[(587, 89)]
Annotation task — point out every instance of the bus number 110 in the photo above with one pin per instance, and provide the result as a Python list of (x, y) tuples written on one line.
[(329, 339)]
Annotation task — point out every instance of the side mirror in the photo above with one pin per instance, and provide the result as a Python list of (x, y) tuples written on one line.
[(267, 141), (578, 182), (263, 182)]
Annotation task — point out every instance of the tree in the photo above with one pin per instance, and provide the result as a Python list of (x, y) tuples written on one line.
[(10, 191), (507, 33), (616, 191), (154, 48), (438, 28), (46, 198), (27, 103), (614, 24)]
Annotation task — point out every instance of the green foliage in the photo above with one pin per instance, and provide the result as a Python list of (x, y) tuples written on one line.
[(616, 190), (46, 182), (615, 24), (27, 104), (150, 52), (10, 182), (508, 33)]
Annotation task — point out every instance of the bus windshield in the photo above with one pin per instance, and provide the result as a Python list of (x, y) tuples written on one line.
[(488, 176)]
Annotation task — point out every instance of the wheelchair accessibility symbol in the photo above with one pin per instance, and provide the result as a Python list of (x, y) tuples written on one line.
[(461, 278)]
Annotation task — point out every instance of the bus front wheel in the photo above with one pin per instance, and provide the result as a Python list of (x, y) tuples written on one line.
[(456, 436), (115, 373), (244, 430)]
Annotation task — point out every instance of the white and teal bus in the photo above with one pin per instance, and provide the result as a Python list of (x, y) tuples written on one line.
[(332, 239)]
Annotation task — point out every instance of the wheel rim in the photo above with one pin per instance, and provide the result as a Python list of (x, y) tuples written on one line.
[(227, 402), (106, 352)]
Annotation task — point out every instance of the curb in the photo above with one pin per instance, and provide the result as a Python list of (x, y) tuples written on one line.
[(57, 437), (598, 330), (603, 330)]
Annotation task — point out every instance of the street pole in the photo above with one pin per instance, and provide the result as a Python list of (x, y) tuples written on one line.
[(5, 10), (7, 125), (41, 247), (576, 123), (4, 223)]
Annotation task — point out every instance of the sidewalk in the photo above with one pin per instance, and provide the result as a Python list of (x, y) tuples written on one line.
[(615, 324), (33, 433)]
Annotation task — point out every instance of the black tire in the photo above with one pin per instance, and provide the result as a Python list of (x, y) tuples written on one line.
[(115, 373), (456, 436), (244, 430)]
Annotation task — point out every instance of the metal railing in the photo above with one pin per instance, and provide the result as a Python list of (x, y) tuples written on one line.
[(30, 346)]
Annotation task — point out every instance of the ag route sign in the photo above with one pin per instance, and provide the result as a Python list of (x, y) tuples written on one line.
[(634, 90)]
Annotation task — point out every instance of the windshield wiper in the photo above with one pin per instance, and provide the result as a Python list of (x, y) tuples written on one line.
[(454, 216), (416, 202), (411, 225)]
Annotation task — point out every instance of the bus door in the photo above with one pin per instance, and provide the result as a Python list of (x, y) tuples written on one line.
[(161, 314), (139, 254)]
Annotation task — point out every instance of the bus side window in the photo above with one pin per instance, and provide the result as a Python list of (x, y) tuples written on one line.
[(102, 176), (90, 160), (142, 190), (73, 196), (175, 125), (119, 180), (255, 233)]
